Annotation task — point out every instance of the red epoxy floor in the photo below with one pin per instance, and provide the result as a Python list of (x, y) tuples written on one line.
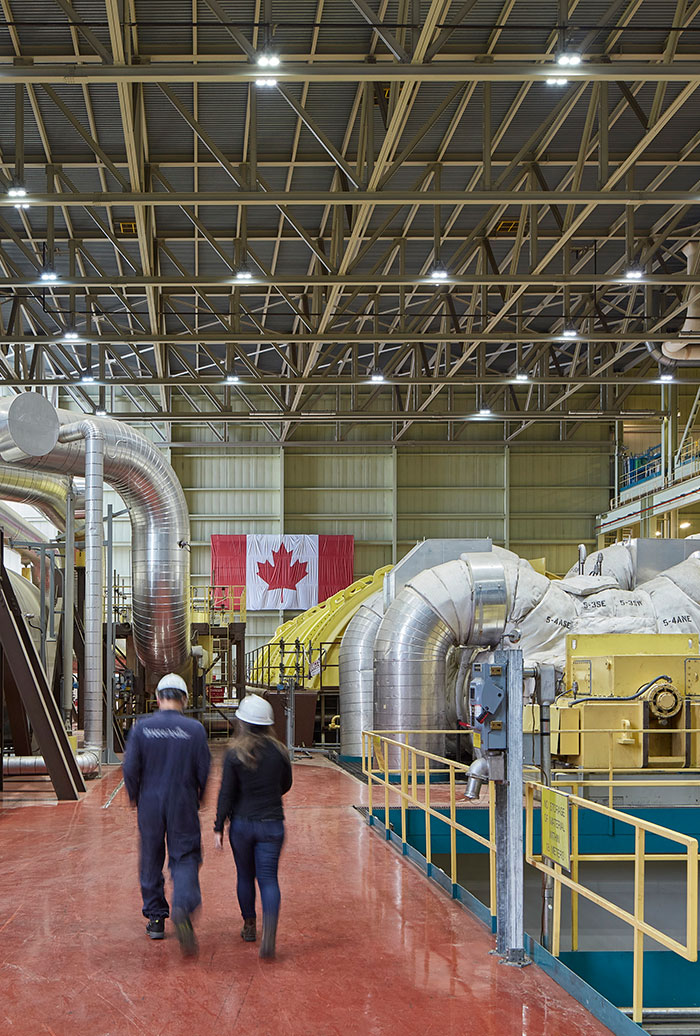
[(367, 945)]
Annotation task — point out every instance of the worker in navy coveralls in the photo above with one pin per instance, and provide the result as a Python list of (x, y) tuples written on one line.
[(165, 768)]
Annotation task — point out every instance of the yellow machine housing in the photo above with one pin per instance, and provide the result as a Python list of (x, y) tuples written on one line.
[(653, 730)]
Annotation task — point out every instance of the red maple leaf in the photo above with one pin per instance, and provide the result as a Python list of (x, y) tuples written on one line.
[(281, 575)]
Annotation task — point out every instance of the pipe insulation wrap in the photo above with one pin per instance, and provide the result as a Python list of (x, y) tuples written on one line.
[(441, 608), (35, 765), (356, 674), (160, 560), (45, 492)]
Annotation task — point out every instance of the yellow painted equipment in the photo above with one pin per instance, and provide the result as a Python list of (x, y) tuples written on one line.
[(594, 727), (318, 631)]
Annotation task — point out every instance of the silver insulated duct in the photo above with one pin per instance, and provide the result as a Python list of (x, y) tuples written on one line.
[(459, 602), (356, 675), (45, 492), (160, 561)]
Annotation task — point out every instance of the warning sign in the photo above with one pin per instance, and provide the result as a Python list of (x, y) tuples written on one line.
[(555, 827)]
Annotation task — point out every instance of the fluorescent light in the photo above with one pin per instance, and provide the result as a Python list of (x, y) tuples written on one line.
[(266, 82), (522, 376), (556, 81), (684, 525), (634, 272), (232, 379)]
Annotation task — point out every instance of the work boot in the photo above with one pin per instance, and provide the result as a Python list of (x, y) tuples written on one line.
[(248, 931), (155, 929), (269, 936), (185, 933)]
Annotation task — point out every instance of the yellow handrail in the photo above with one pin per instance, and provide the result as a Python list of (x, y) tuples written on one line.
[(415, 761), (636, 919)]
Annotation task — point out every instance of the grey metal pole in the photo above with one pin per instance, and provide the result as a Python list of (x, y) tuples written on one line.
[(68, 607), (110, 755), (52, 595), (509, 821), (547, 678), (42, 605)]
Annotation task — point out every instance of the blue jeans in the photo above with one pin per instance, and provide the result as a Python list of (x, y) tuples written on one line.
[(256, 846)]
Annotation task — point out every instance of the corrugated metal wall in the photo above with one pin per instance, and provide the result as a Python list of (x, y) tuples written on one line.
[(538, 498)]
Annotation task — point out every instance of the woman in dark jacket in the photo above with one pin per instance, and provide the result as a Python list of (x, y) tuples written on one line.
[(257, 773)]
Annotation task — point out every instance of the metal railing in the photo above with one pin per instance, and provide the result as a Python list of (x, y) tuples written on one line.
[(413, 786), (636, 919), (218, 605), (273, 663), (641, 467)]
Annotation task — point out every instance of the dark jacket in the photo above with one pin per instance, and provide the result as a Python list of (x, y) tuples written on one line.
[(255, 794), (167, 761)]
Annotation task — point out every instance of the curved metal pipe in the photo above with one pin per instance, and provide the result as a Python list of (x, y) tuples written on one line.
[(93, 437), (35, 766), (159, 521), (459, 602), (356, 674), (46, 492)]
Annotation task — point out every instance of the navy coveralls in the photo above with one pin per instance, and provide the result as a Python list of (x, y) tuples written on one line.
[(165, 768)]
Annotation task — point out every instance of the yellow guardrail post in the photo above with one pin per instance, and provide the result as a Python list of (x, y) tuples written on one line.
[(386, 793), (638, 957), (492, 849), (428, 832), (404, 791), (453, 829), (574, 875)]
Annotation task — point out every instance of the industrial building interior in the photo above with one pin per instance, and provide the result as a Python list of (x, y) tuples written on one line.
[(349, 356)]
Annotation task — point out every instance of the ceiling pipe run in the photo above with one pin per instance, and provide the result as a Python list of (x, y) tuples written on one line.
[(685, 353), (160, 560)]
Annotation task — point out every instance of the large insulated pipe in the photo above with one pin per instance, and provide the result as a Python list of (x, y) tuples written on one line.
[(35, 765), (356, 675), (89, 431), (688, 350), (45, 492), (459, 602), (159, 519)]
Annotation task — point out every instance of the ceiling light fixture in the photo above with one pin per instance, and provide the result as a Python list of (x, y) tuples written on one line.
[(568, 57), (438, 272), (485, 411), (684, 525), (17, 191), (376, 377), (244, 274), (522, 376), (48, 275), (556, 81), (666, 376), (268, 59), (232, 379), (100, 412), (266, 82), (569, 331), (634, 272), (87, 377), (70, 336)]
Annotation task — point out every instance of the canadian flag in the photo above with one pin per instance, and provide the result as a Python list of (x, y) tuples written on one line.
[(291, 572)]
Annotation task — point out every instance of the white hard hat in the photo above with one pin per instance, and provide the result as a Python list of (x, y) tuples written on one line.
[(172, 682), (254, 709)]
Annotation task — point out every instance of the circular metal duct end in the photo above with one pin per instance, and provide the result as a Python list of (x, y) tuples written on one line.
[(33, 426)]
